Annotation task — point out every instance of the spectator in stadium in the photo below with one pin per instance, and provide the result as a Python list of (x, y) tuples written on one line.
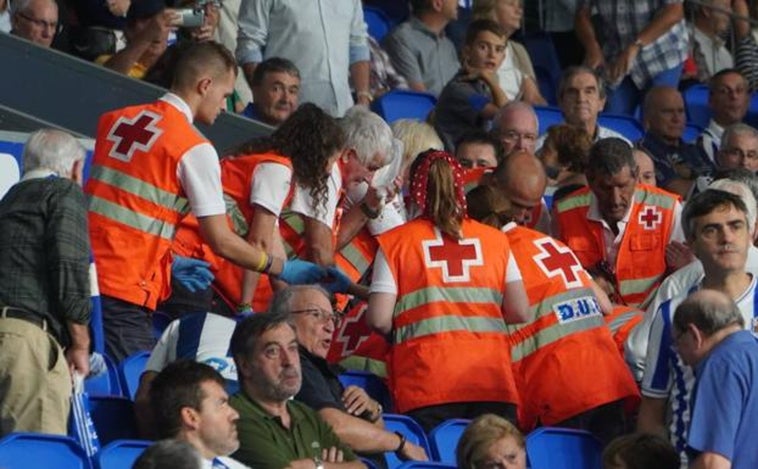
[(746, 47), (383, 76), (491, 441), (581, 97), (728, 99), (139, 149), (515, 74), (416, 136), (739, 148), (35, 20), (99, 27), (148, 24), (274, 430), (419, 48), (478, 150), (640, 451), (709, 29), (645, 167), (677, 163), (564, 155), (276, 91), (327, 43), (639, 45), (558, 17), (521, 177), (472, 98), (169, 454), (44, 286), (589, 402), (352, 414), (714, 221), (737, 181), (616, 209), (189, 404), (516, 126), (442, 249), (710, 336)]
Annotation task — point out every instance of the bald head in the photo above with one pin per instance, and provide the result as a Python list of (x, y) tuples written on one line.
[(663, 113), (521, 177), (645, 167), (516, 127)]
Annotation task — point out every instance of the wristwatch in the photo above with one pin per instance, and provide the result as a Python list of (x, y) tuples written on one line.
[(318, 462)]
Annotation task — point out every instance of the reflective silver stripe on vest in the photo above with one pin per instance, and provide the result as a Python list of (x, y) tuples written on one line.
[(556, 331), (140, 188), (448, 295), (130, 218), (637, 286), (650, 198), (240, 224), (354, 256), (574, 202), (621, 319), (451, 323), (297, 224)]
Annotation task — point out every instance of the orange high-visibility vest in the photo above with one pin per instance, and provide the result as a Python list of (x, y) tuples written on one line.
[(564, 361), (641, 260), (450, 342), (237, 179), (136, 200), (621, 322), (473, 177)]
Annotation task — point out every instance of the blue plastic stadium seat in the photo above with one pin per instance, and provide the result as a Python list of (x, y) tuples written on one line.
[(372, 384), (627, 126), (541, 50), (120, 454), (377, 21), (426, 465), (403, 104), (129, 372), (696, 102), (408, 427), (548, 116), (443, 439), (562, 448), (38, 451), (106, 384), (16, 149), (691, 132), (113, 417)]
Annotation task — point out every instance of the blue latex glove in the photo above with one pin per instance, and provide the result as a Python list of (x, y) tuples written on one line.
[(337, 281), (192, 274), (298, 272)]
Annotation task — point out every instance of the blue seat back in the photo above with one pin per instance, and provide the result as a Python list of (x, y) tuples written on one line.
[(691, 132), (129, 372), (426, 465), (562, 448), (548, 116), (696, 102), (408, 427), (541, 50), (120, 454), (403, 104), (113, 417), (106, 384), (41, 451), (443, 439), (377, 21), (372, 384), (627, 126)]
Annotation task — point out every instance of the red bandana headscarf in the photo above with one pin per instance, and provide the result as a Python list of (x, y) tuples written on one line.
[(420, 180)]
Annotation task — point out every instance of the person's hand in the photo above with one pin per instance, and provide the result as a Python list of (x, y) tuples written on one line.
[(336, 281), (332, 455), (620, 68), (77, 358), (192, 274), (678, 255), (357, 401), (593, 58), (297, 272), (413, 452), (210, 22)]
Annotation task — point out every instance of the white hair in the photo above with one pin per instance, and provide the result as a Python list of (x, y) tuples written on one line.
[(513, 106), (743, 192), (367, 133), (25, 5), (54, 150)]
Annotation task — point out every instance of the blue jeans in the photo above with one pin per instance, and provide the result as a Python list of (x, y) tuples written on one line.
[(626, 96)]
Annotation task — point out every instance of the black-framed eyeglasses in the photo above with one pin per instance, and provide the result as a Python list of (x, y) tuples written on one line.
[(41, 23), (322, 315)]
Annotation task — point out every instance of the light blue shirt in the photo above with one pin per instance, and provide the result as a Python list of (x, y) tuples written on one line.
[(321, 37)]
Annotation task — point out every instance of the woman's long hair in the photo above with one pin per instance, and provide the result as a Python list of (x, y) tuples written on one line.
[(437, 190)]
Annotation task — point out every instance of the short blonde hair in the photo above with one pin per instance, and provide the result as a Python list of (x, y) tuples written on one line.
[(480, 435), (417, 136)]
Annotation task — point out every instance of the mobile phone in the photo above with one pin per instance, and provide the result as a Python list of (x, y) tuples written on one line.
[(190, 17)]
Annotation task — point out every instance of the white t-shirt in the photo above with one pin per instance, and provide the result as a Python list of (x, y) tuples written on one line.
[(271, 184), (509, 76), (302, 202)]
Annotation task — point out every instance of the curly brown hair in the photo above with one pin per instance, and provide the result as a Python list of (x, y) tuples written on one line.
[(309, 137), (572, 144)]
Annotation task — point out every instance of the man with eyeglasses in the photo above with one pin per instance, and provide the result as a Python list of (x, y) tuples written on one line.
[(35, 20), (354, 416), (719, 232), (728, 99), (516, 126)]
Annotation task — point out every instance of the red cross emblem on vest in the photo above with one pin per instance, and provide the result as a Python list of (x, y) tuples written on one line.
[(650, 217), (354, 331), (558, 260), (454, 257), (130, 135)]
